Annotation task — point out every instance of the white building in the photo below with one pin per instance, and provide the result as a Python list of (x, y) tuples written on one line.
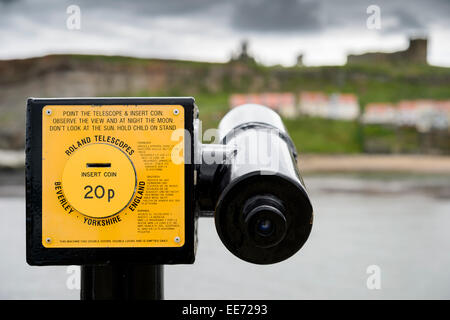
[(443, 109), (314, 104), (379, 113), (343, 106), (335, 106), (408, 113), (432, 114), (283, 103), (422, 114)]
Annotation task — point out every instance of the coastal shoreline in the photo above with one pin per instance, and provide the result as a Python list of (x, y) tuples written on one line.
[(415, 164), (319, 163)]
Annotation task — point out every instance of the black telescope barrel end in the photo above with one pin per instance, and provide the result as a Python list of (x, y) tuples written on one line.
[(270, 230)]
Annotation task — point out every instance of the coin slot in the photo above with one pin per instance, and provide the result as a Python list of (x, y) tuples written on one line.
[(98, 165)]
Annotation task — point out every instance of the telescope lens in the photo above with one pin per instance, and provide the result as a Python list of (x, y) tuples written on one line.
[(263, 219), (264, 227), (266, 223)]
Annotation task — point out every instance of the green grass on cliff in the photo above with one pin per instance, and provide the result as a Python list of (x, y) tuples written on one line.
[(316, 135), (371, 83), (310, 135)]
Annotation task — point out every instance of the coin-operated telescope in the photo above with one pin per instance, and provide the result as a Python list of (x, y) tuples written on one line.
[(116, 185), (261, 209)]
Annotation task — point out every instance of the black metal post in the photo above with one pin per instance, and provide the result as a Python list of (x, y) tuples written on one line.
[(122, 282)]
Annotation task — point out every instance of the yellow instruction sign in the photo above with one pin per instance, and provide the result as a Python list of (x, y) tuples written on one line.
[(113, 176)]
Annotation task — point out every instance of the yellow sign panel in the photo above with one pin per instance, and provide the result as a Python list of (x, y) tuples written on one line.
[(113, 176)]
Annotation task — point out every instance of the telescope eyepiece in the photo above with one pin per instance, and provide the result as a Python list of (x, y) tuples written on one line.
[(265, 220), (264, 227)]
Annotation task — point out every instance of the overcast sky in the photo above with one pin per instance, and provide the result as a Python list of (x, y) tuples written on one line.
[(325, 31)]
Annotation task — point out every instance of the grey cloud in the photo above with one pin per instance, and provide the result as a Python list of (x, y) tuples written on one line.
[(150, 8), (276, 16), (304, 15), (117, 25), (414, 17), (405, 22), (408, 20)]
